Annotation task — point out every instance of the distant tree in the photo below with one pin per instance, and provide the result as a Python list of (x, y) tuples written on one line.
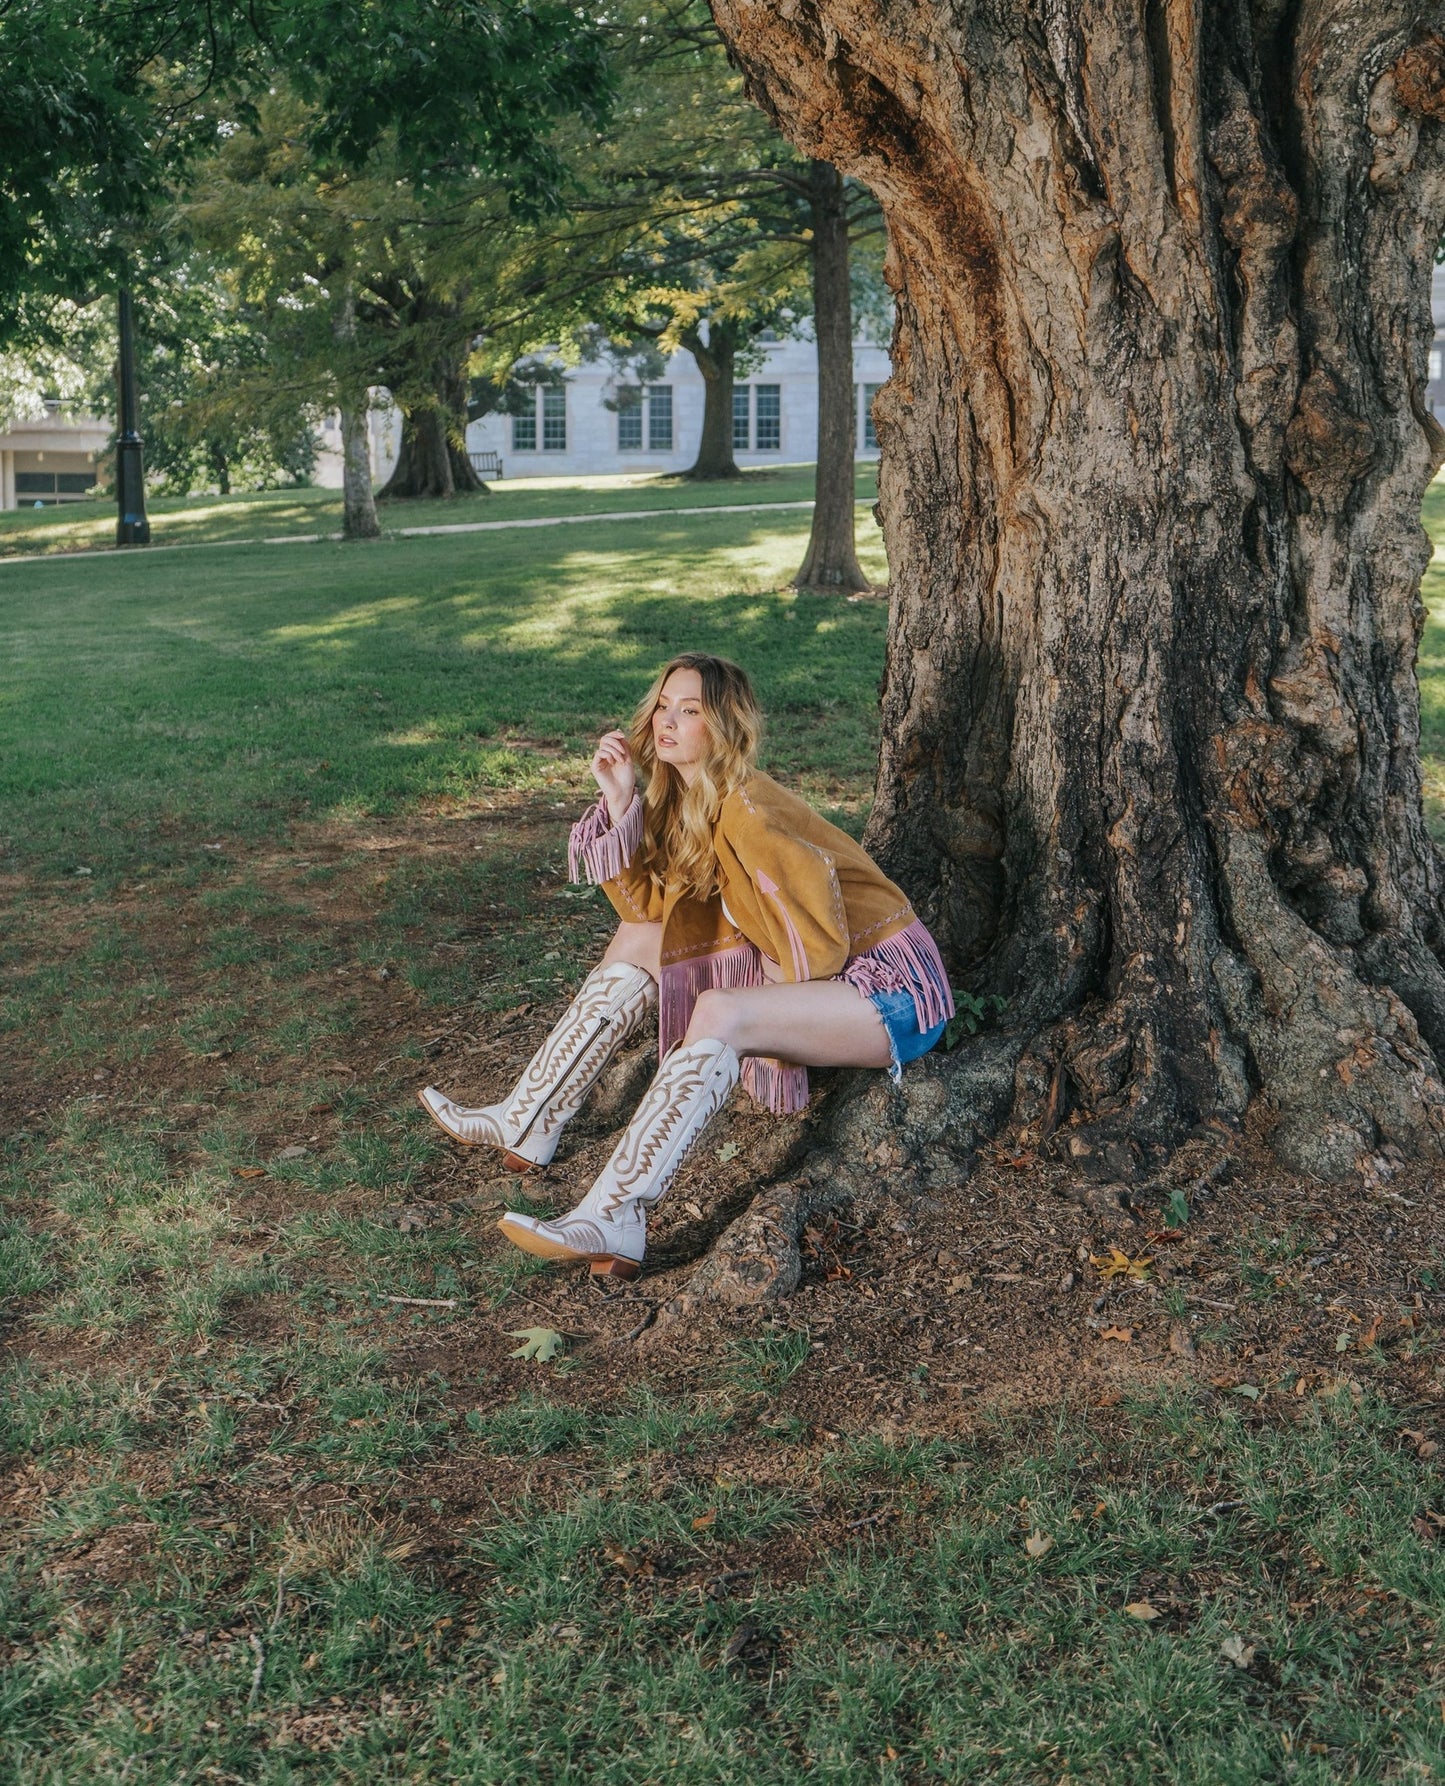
[(103, 102), (722, 235), (210, 413)]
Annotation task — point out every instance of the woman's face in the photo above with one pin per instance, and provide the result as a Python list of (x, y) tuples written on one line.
[(679, 732)]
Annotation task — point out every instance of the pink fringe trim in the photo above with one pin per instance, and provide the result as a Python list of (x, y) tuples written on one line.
[(601, 848), (908, 962), (779, 1088), (776, 1086)]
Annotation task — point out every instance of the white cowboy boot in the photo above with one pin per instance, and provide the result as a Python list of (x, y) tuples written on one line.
[(610, 1004), (608, 1228)]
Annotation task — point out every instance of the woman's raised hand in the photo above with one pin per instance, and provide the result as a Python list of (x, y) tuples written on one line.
[(613, 770)]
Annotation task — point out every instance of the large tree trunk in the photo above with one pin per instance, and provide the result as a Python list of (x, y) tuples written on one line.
[(715, 359), (432, 460), (1153, 451), (831, 561), (358, 504)]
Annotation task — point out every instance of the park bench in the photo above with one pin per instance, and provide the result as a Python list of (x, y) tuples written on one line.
[(486, 465)]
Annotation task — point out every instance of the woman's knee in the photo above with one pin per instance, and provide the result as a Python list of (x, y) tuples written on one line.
[(715, 1017), (639, 945)]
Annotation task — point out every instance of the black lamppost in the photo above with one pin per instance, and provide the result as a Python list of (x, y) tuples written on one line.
[(131, 527)]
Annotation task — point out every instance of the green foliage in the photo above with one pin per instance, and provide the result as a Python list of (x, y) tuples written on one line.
[(970, 1015), (213, 414), (106, 101)]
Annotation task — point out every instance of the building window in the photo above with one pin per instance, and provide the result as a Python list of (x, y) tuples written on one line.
[(652, 404), (742, 434), (1435, 362), (768, 417), (659, 418), (524, 430), (629, 419), (554, 420), (870, 433)]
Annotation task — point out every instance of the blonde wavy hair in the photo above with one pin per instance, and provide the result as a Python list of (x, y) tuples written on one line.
[(678, 820)]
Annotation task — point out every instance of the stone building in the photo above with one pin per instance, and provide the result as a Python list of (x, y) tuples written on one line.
[(593, 424), (51, 457)]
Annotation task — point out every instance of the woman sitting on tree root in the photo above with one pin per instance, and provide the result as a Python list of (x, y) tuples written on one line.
[(764, 934)]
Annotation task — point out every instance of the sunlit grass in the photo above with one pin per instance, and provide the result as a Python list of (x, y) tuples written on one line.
[(150, 704), (281, 514)]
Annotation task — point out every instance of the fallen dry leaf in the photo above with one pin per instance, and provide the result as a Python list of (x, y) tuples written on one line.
[(1119, 1264), (728, 1151), (1038, 1544), (704, 1520), (1124, 1334), (626, 1561), (250, 1171), (1141, 1609), (1234, 1649)]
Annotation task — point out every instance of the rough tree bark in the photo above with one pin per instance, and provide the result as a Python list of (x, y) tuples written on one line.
[(1153, 450), (358, 503), (831, 561), (431, 460), (715, 359), (426, 373)]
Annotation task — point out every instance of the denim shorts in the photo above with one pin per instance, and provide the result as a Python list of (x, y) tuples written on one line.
[(906, 1041)]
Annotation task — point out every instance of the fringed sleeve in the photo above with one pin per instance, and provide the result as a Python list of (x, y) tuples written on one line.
[(601, 850), (908, 962)]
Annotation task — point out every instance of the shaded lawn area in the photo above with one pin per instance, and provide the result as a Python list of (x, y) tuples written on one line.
[(278, 1501), (274, 514)]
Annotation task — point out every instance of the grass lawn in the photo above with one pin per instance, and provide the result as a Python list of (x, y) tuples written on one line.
[(275, 514), (280, 840)]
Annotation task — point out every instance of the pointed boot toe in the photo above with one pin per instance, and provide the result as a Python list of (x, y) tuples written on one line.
[(569, 1243)]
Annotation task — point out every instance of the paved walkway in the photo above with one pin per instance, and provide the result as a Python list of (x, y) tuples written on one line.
[(313, 539)]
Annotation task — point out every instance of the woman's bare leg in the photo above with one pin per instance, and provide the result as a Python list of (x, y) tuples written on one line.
[(639, 945), (821, 1023)]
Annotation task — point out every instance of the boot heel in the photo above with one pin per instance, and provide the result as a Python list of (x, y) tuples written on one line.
[(515, 1163), (625, 1269)]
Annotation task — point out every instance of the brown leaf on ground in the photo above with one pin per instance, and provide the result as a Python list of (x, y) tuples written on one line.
[(625, 1560), (1038, 1544), (1141, 1609), (1125, 1335)]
